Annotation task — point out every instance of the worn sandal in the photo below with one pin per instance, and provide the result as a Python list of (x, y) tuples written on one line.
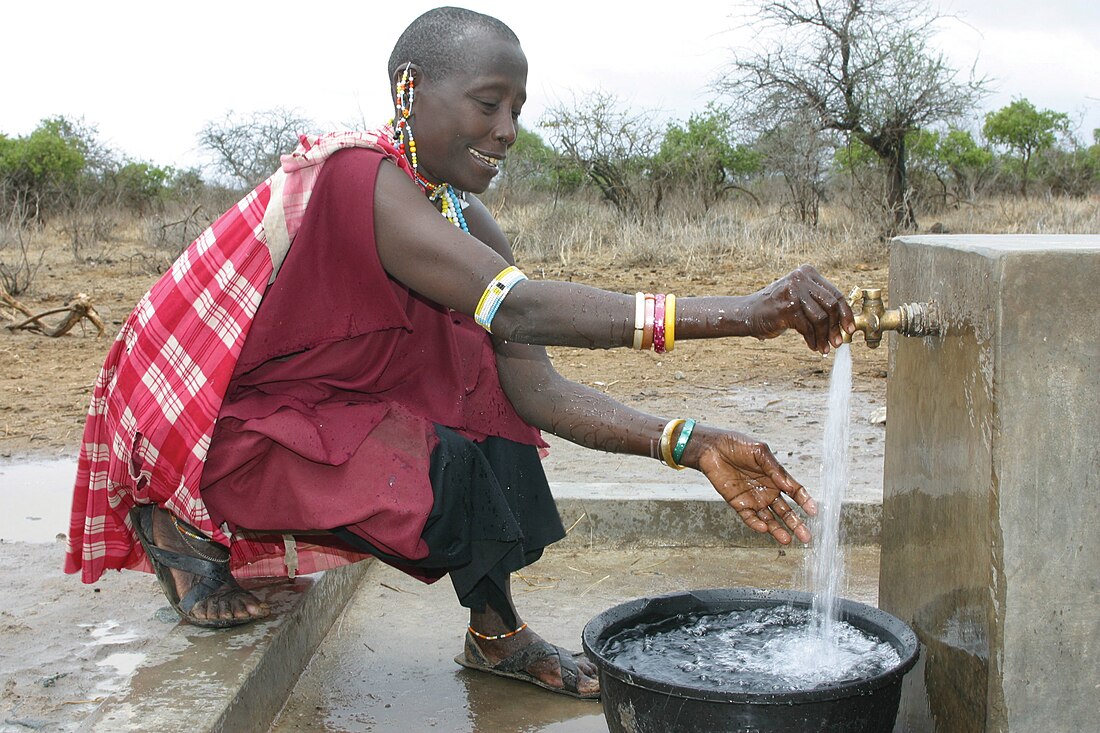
[(212, 574), (515, 666)]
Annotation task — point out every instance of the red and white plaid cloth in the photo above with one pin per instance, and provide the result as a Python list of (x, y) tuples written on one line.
[(157, 397)]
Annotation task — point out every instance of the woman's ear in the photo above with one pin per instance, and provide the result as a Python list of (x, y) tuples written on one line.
[(406, 71)]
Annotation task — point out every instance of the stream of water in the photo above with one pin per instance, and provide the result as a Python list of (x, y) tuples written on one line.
[(774, 649), (826, 559)]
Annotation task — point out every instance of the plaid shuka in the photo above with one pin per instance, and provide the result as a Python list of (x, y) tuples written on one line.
[(155, 402)]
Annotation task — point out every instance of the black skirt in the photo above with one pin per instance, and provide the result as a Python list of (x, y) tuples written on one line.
[(492, 514)]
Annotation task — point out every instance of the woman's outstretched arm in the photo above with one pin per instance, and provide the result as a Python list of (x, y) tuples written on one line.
[(743, 470), (429, 255)]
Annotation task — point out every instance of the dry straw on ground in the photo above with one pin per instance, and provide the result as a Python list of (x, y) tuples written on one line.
[(743, 234)]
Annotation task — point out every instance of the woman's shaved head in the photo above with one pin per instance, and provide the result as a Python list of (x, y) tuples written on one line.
[(444, 40)]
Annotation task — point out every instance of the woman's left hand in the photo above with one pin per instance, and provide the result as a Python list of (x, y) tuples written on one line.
[(752, 481)]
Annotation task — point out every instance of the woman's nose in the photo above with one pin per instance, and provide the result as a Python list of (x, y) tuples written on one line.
[(506, 130)]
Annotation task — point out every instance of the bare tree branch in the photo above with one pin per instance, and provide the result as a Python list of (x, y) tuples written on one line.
[(859, 67), (247, 147)]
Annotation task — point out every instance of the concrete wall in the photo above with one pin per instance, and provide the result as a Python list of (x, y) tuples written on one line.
[(991, 533)]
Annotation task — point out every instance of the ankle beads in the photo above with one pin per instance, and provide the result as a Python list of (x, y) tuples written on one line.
[(189, 534), (505, 635)]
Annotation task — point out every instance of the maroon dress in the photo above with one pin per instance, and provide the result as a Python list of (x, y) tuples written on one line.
[(333, 412)]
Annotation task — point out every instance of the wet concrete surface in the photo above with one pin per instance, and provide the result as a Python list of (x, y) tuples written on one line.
[(989, 545), (388, 661), (35, 496)]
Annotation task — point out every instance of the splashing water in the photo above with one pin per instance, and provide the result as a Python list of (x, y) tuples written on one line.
[(825, 563), (774, 649), (766, 650)]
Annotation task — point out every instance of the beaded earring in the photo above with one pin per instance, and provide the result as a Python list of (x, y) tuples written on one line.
[(402, 129), (450, 202)]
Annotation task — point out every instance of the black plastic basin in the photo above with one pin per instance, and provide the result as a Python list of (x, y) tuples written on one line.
[(635, 704)]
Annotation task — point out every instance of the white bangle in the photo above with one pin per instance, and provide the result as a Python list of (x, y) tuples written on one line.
[(494, 295), (639, 319)]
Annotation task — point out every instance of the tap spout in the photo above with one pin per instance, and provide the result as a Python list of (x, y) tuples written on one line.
[(908, 319)]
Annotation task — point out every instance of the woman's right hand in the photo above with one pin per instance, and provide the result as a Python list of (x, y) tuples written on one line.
[(808, 303), (752, 481)]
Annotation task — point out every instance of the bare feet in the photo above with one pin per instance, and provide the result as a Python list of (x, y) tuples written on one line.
[(230, 601)]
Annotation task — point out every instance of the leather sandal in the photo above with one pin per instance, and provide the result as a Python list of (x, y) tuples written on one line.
[(515, 666), (211, 574)]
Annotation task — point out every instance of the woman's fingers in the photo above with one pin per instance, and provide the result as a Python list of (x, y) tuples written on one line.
[(821, 312), (751, 480), (816, 324), (776, 518), (752, 521), (783, 481), (775, 527), (804, 500), (786, 515), (833, 301)]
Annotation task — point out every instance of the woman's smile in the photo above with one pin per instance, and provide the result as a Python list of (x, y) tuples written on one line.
[(487, 160)]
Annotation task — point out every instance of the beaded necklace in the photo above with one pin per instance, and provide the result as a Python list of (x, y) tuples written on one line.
[(450, 203)]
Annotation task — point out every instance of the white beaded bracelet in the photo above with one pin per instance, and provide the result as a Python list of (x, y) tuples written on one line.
[(494, 295)]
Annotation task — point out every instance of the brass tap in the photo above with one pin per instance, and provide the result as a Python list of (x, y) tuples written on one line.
[(909, 319)]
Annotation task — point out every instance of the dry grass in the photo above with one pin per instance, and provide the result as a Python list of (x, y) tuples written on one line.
[(740, 233), (1030, 216), (574, 230)]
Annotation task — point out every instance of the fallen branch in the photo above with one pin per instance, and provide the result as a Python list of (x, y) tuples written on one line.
[(77, 309), (12, 303)]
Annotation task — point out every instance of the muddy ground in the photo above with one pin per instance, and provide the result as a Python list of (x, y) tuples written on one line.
[(64, 646)]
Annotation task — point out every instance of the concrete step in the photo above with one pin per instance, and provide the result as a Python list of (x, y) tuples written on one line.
[(615, 515), (230, 680)]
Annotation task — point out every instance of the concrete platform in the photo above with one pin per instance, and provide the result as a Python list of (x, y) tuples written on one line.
[(233, 679), (385, 663)]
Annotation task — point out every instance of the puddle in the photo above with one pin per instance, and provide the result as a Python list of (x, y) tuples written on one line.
[(36, 497), (124, 663), (109, 632), (121, 666)]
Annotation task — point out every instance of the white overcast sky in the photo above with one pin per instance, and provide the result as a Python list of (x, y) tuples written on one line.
[(150, 74)]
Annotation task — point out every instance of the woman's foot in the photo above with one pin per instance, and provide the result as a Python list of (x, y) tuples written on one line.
[(229, 604), (546, 662)]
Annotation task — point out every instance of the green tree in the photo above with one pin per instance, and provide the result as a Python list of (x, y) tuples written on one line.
[(612, 146), (43, 163), (854, 157), (1026, 131), (140, 185), (968, 162), (1093, 153), (702, 157), (863, 68), (532, 162)]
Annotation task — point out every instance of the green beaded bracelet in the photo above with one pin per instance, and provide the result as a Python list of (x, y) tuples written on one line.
[(682, 440)]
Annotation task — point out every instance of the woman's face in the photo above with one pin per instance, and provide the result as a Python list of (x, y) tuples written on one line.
[(464, 123)]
